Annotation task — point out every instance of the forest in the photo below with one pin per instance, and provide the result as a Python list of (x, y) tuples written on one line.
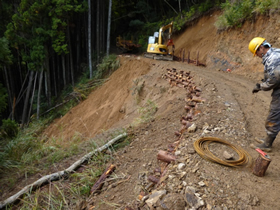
[(48, 46)]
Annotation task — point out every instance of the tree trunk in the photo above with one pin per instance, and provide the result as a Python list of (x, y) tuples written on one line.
[(97, 30), (89, 40), (25, 107), (78, 45), (54, 77), (71, 57), (39, 93), (58, 66), (109, 28), (102, 30), (180, 11), (48, 78), (171, 7), (63, 69), (10, 100), (32, 97)]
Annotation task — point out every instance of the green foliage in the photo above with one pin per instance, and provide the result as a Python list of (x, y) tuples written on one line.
[(39, 23), (9, 129), (137, 89), (143, 41), (147, 112), (108, 65), (5, 53), (205, 6), (181, 19), (234, 14), (136, 23), (263, 6)]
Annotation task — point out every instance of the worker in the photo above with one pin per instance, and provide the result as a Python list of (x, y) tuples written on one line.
[(271, 61)]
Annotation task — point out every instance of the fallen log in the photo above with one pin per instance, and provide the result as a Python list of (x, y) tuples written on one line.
[(58, 175), (100, 182)]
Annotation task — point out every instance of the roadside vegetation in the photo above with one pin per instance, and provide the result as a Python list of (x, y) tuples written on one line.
[(24, 150), (234, 14)]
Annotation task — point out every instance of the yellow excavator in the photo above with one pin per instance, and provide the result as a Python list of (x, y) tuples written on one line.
[(159, 45)]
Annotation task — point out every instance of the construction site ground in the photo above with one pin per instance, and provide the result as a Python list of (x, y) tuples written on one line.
[(230, 112)]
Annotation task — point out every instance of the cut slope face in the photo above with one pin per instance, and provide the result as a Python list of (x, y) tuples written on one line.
[(104, 106)]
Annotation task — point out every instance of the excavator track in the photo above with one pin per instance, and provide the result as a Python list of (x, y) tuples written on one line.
[(159, 57)]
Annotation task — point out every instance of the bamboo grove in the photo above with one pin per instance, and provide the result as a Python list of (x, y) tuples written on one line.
[(46, 45)]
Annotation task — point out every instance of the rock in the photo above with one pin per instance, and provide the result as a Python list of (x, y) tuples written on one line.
[(183, 175), (192, 128), (206, 131), (205, 126), (195, 170), (255, 201), (209, 207), (181, 166), (190, 189), (193, 201), (171, 177), (201, 184), (227, 104), (154, 197), (177, 153), (191, 151), (172, 201), (122, 109), (227, 155)]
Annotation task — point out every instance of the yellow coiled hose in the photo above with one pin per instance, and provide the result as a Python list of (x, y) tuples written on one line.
[(202, 148)]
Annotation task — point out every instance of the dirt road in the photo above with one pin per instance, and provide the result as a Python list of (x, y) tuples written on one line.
[(230, 112)]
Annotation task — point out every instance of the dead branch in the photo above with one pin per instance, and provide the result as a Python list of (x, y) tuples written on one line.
[(57, 175), (98, 185), (55, 107)]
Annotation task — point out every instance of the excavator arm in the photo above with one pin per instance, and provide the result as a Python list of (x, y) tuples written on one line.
[(162, 29)]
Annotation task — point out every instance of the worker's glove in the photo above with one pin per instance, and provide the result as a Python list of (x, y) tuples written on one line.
[(257, 88)]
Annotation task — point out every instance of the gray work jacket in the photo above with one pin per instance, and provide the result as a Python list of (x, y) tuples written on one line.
[(271, 62)]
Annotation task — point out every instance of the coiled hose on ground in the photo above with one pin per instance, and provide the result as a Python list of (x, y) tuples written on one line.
[(202, 148)]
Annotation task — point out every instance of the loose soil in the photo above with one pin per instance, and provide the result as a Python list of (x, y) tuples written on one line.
[(230, 112)]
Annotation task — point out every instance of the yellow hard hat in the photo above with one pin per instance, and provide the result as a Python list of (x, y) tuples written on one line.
[(255, 43)]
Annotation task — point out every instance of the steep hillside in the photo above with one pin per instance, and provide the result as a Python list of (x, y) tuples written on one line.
[(229, 111), (228, 49)]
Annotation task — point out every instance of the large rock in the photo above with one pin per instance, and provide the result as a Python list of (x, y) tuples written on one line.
[(154, 197), (172, 201), (192, 200)]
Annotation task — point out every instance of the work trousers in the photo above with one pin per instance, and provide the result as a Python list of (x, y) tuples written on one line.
[(272, 123)]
